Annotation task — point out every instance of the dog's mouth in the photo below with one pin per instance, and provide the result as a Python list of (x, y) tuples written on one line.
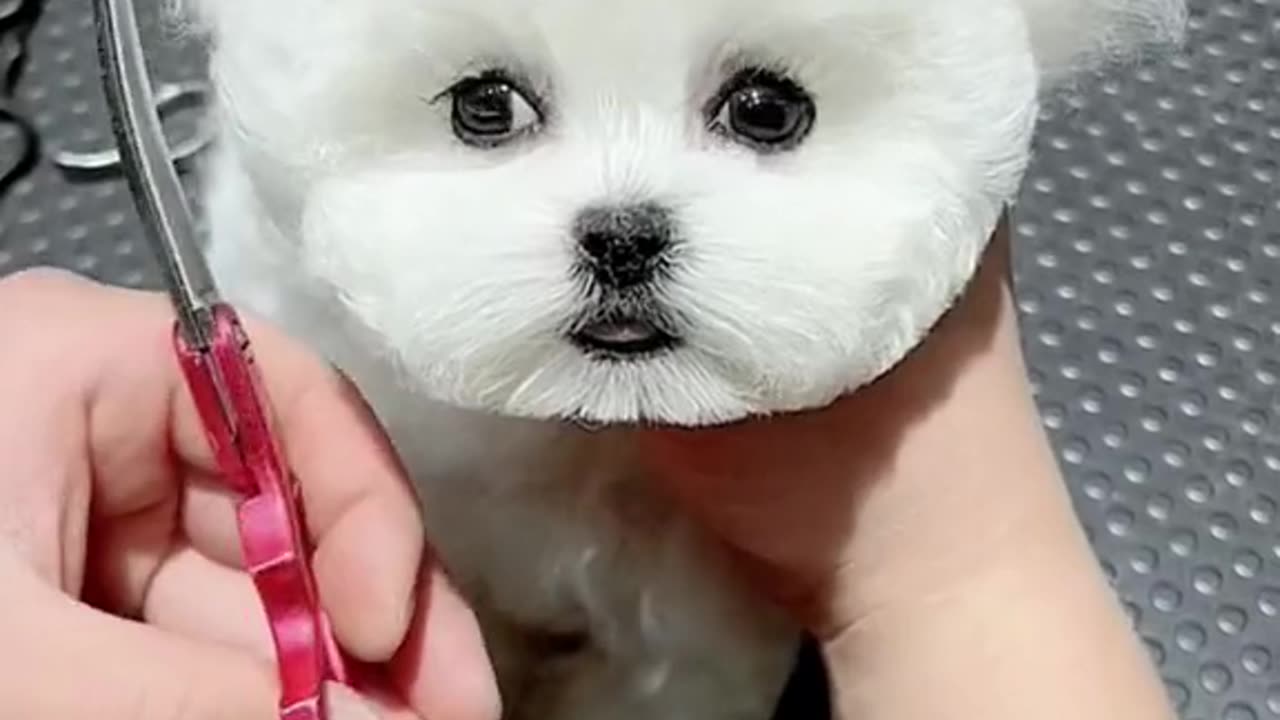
[(623, 337)]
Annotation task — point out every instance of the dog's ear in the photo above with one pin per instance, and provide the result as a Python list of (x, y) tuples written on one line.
[(1074, 36)]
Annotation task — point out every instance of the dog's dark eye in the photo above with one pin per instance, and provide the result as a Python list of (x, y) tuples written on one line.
[(763, 110), (490, 110)]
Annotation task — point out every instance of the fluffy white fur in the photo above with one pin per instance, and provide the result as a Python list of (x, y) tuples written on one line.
[(439, 276)]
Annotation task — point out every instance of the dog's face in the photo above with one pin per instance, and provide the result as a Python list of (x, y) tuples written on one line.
[(682, 211)]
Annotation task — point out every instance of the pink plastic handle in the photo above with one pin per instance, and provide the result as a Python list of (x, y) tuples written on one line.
[(272, 530)]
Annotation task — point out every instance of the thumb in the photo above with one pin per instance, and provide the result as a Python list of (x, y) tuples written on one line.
[(62, 659)]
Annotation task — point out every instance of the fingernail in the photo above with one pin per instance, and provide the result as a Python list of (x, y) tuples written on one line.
[(345, 704)]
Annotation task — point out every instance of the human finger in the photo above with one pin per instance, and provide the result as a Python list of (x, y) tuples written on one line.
[(196, 597), (443, 669), (142, 429), (66, 660), (363, 517)]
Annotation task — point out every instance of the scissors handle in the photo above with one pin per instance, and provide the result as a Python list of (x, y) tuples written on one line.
[(272, 528)]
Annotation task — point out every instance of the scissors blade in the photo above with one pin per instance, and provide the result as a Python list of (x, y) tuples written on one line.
[(167, 219)]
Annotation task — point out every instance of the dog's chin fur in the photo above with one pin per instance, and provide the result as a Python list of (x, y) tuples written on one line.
[(442, 277)]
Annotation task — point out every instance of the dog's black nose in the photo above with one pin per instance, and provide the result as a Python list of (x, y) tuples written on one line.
[(624, 246)]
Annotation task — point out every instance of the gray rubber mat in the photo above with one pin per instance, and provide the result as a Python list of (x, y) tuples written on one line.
[(1148, 258)]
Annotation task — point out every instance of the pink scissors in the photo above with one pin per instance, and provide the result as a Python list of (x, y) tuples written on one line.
[(219, 368)]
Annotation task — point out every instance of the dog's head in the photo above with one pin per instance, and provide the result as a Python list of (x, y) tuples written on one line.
[(682, 211)]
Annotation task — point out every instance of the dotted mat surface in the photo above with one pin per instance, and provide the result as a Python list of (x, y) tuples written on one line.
[(1147, 260)]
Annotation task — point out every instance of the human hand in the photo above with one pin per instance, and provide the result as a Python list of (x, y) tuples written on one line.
[(921, 531), (119, 555), (810, 499)]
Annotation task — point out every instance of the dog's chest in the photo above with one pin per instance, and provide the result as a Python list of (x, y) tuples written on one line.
[(543, 524), (597, 598)]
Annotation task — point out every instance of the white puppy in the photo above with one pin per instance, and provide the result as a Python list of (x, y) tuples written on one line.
[(508, 219)]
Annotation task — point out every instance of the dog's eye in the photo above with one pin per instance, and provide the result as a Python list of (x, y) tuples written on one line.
[(763, 110), (490, 110)]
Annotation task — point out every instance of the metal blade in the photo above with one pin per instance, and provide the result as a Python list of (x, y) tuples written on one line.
[(167, 219)]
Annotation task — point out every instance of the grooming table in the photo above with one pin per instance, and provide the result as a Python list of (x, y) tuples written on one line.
[(1147, 246)]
